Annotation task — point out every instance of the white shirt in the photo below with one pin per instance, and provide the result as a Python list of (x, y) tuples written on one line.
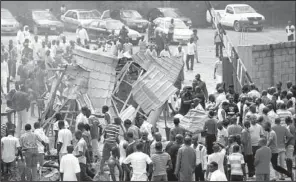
[(82, 34), (220, 98), (56, 125), (201, 155), (44, 138), (9, 147), (4, 72), (147, 127), (255, 132), (122, 151), (65, 137), (69, 166), (218, 158), (288, 30), (80, 119), (191, 47), (218, 176), (222, 134), (138, 161), (218, 67), (165, 53), (36, 47), (180, 55), (20, 37), (254, 93)]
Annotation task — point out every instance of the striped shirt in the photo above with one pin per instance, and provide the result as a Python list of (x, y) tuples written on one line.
[(3, 130), (235, 160), (111, 133), (283, 114), (160, 162), (9, 147)]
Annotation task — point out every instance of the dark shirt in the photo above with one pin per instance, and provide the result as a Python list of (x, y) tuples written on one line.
[(176, 130), (172, 149), (292, 130), (184, 108), (19, 100), (201, 98), (211, 126), (131, 148), (202, 85), (146, 146), (231, 110)]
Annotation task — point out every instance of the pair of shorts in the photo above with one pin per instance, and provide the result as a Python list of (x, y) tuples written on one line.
[(107, 150)]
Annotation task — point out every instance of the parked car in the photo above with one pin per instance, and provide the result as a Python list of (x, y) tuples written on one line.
[(182, 33), (106, 26), (42, 21), (169, 12), (9, 25), (73, 18), (132, 18), (239, 16)]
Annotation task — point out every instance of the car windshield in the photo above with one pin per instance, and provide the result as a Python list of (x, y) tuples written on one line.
[(88, 15), (6, 15), (178, 24), (131, 14), (114, 25), (244, 9), (171, 13), (43, 15), (97, 13)]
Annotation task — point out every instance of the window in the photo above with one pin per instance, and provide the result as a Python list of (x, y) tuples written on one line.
[(130, 14), (244, 9), (179, 24), (75, 16), (6, 15), (43, 15), (229, 10), (87, 15), (69, 14), (94, 24)]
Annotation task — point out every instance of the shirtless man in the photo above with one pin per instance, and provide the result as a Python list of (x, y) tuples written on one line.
[(116, 172)]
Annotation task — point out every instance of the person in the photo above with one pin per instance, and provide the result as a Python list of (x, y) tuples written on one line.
[(123, 34), (290, 30), (28, 142), (63, 9), (82, 34), (178, 129), (172, 149), (116, 171), (80, 153), (171, 31), (283, 113), (35, 47), (151, 51), (272, 144), (158, 41), (232, 110), (216, 175), (56, 129), (218, 157), (200, 97), (191, 48), (234, 128), (64, 139), (290, 144), (20, 38), (201, 158), (247, 148), (222, 134), (39, 131), (151, 27), (11, 148), (165, 52), (12, 59), (218, 71), (146, 142), (139, 162), (131, 147), (69, 166), (198, 82), (161, 163), (236, 164), (195, 39), (253, 93), (111, 140), (145, 126), (84, 128), (106, 116), (262, 161), (27, 52), (81, 118), (4, 74), (218, 42), (283, 137), (42, 50), (128, 47), (210, 128), (26, 33), (157, 138), (132, 128)]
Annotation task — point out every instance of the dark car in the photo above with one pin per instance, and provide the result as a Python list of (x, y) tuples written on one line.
[(132, 18), (42, 21), (168, 12)]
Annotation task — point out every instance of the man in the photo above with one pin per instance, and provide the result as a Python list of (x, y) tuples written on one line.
[(216, 175), (27, 52), (236, 164), (272, 144), (157, 138), (28, 142), (232, 110), (159, 41), (201, 158), (176, 130), (186, 161), (41, 51), (12, 60), (172, 149), (106, 116), (111, 140), (210, 128), (195, 39), (64, 139), (218, 71), (40, 133), (262, 161), (222, 134), (198, 82), (131, 147), (138, 161), (56, 129), (123, 34), (218, 157), (63, 9), (218, 42), (253, 92), (82, 34), (171, 31), (80, 153), (128, 47), (10, 148), (234, 128), (165, 52), (191, 49), (132, 128), (290, 30), (20, 38), (283, 113), (247, 148), (161, 163), (4, 71), (84, 128), (283, 138), (81, 118), (290, 144), (69, 167), (35, 46), (116, 171)]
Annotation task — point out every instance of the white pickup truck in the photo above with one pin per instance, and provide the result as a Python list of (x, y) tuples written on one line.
[(239, 16)]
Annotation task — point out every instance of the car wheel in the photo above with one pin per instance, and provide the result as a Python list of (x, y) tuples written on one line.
[(35, 30), (260, 29), (237, 26)]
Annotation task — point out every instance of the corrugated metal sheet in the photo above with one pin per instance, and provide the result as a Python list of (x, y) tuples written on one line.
[(102, 75)]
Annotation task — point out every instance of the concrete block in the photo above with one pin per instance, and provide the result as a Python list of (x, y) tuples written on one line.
[(266, 60), (278, 52), (292, 78), (261, 74), (292, 64), (285, 78), (256, 55), (262, 54), (268, 53), (266, 74), (285, 65), (292, 51)]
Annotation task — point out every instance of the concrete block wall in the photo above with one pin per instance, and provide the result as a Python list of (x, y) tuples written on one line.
[(270, 63)]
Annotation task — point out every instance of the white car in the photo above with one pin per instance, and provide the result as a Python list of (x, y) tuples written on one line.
[(182, 33), (239, 16)]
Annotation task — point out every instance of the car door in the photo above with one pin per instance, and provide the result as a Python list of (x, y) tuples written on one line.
[(105, 14), (67, 19), (92, 30), (75, 20), (229, 16)]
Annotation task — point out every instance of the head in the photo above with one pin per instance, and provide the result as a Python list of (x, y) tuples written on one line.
[(265, 110), (277, 121), (258, 101), (231, 99), (216, 148), (105, 109), (172, 20), (81, 126), (245, 89), (176, 121), (10, 43), (43, 44), (262, 142), (36, 125), (253, 120), (70, 149), (166, 47), (61, 124), (84, 110), (247, 124), (158, 147), (220, 125), (283, 106), (211, 114), (213, 167), (289, 22), (139, 147), (10, 132), (253, 108), (117, 121), (191, 40), (231, 139), (144, 135), (267, 126), (79, 26), (279, 85), (187, 140), (179, 138), (289, 84), (224, 104), (235, 149), (194, 31), (197, 77), (264, 93), (157, 137), (194, 139), (78, 134), (289, 96), (58, 117), (49, 44), (127, 123), (212, 98), (28, 127), (220, 90), (130, 136)]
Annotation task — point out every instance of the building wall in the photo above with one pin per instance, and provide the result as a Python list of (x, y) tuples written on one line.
[(269, 64)]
